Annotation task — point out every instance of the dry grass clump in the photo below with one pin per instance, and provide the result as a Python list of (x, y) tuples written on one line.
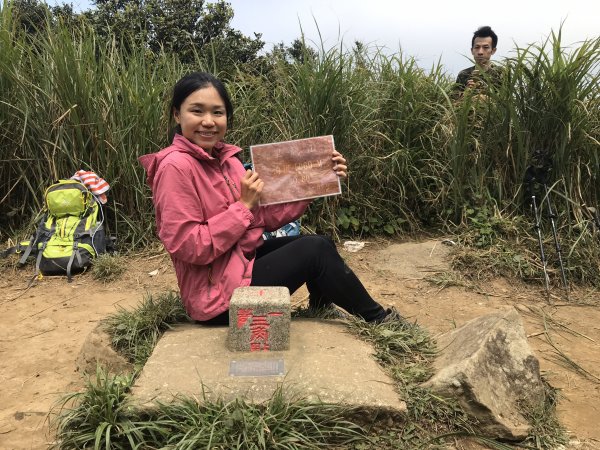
[(108, 267)]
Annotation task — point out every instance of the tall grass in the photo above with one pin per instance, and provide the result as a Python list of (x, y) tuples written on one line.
[(545, 113), (72, 102), (417, 157), (135, 332), (383, 113)]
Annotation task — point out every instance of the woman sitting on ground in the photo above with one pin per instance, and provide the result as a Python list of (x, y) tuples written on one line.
[(209, 219)]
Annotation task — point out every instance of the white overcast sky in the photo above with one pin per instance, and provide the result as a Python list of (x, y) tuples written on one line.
[(426, 29)]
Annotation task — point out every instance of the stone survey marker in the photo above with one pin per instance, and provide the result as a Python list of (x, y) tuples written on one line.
[(255, 356), (296, 170), (259, 319)]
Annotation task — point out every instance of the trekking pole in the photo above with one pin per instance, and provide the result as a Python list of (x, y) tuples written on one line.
[(538, 229), (530, 179), (552, 215)]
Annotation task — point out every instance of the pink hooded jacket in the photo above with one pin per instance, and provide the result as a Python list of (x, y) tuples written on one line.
[(210, 235)]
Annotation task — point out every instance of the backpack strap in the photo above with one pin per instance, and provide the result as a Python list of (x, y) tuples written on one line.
[(27, 252), (9, 251), (39, 258), (79, 232), (15, 249), (42, 234), (72, 258)]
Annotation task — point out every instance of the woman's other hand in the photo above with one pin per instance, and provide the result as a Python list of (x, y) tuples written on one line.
[(340, 168), (252, 187)]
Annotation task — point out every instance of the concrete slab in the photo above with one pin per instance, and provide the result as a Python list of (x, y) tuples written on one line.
[(324, 362)]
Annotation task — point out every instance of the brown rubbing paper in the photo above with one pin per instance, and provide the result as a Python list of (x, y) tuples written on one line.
[(296, 170)]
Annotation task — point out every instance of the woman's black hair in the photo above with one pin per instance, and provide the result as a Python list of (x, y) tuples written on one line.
[(190, 84)]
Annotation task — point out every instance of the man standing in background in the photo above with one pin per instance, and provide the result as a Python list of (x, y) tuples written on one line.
[(483, 46)]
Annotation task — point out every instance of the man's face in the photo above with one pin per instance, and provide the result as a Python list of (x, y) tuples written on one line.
[(482, 50)]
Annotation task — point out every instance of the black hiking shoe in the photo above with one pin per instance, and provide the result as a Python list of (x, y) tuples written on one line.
[(393, 316)]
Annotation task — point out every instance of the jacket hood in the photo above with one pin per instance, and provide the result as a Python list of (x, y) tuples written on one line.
[(152, 161)]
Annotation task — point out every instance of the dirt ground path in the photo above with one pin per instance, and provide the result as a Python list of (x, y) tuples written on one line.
[(42, 329)]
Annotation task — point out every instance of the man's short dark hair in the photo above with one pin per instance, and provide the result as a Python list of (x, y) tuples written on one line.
[(483, 32)]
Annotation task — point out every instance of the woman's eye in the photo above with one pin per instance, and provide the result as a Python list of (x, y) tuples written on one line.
[(219, 113)]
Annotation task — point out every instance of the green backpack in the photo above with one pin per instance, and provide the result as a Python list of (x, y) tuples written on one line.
[(71, 233)]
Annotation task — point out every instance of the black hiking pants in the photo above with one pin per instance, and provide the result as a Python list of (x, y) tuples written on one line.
[(292, 261)]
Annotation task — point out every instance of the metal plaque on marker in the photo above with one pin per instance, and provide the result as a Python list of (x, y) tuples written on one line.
[(256, 368)]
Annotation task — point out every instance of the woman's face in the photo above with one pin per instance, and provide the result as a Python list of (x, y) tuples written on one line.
[(203, 117)]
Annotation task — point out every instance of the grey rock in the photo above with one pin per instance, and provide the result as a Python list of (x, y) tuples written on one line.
[(97, 351), (488, 366)]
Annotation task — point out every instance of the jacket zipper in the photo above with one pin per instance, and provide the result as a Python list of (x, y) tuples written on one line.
[(229, 185)]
